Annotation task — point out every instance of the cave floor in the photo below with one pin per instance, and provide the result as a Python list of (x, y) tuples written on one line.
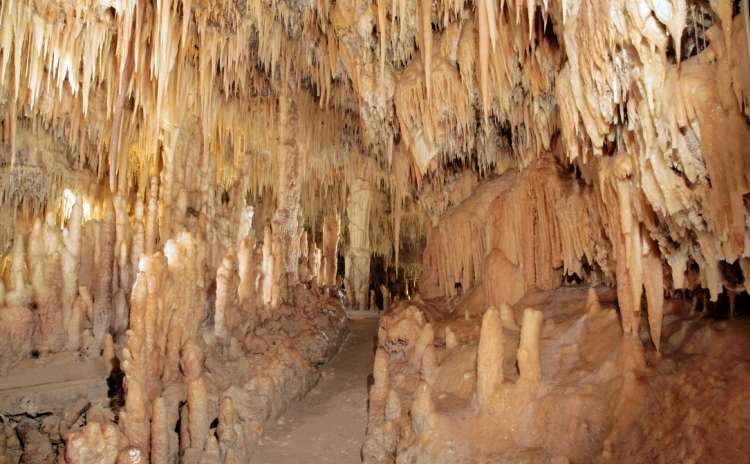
[(328, 425)]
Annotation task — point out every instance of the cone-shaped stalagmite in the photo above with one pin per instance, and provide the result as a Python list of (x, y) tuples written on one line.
[(489, 358), (103, 316), (358, 254), (330, 248), (286, 220), (653, 282), (528, 350), (225, 296), (71, 260)]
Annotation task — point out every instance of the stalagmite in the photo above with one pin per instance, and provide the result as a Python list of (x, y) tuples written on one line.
[(423, 408), (528, 350), (286, 220), (593, 306), (95, 443), (83, 310), (16, 319), (380, 426), (160, 432), (330, 248), (267, 267), (429, 365), (506, 315), (357, 264), (20, 291), (231, 436), (103, 317), (121, 222), (71, 256), (247, 270), (380, 374), (489, 359), (653, 281), (138, 236), (386, 297), (277, 280), (152, 217), (197, 398), (135, 419), (119, 314), (425, 339), (451, 342), (36, 268), (51, 315), (225, 296)]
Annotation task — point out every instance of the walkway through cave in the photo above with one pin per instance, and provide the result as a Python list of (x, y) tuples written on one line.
[(328, 425)]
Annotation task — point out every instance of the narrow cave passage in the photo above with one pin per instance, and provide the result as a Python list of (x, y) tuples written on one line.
[(328, 426)]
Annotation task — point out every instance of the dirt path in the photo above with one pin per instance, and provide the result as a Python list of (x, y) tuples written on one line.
[(328, 425)]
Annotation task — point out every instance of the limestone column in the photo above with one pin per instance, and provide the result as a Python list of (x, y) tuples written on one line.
[(286, 217), (358, 253), (330, 248)]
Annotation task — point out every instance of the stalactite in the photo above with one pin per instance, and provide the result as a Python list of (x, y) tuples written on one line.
[(426, 17), (123, 80), (382, 6), (484, 58)]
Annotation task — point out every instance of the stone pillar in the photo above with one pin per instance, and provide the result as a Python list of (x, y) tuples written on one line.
[(358, 254), (286, 217), (330, 249)]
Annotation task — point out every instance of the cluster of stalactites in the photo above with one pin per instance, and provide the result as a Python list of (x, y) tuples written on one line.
[(673, 189), (134, 74)]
